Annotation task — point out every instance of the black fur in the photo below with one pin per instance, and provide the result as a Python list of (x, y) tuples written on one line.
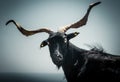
[(90, 65)]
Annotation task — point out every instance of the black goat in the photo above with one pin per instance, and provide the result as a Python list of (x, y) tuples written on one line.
[(78, 64)]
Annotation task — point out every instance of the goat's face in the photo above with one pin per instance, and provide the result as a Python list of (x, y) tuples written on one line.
[(58, 46)]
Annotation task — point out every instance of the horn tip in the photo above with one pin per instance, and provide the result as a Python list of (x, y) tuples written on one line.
[(96, 3), (9, 22)]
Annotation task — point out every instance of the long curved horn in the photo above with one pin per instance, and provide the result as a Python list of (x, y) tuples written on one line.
[(81, 22), (28, 33)]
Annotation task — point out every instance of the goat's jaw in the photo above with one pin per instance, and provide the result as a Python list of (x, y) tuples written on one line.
[(57, 60)]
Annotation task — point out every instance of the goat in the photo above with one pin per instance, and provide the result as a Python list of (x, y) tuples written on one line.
[(78, 64)]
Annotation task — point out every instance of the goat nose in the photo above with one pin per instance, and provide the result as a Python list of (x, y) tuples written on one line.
[(59, 56)]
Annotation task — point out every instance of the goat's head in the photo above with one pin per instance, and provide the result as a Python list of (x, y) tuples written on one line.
[(58, 44), (57, 41)]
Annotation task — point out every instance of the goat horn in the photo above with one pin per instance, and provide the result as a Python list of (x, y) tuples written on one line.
[(81, 22), (28, 33)]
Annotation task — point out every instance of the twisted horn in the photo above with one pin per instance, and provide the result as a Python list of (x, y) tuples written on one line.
[(81, 22), (28, 33)]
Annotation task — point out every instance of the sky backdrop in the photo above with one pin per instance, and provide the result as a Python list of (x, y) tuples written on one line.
[(19, 53)]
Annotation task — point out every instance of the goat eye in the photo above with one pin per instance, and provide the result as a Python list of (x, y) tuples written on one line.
[(76, 33), (41, 45), (44, 43)]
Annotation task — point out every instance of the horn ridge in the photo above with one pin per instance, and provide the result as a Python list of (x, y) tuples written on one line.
[(81, 22), (27, 32)]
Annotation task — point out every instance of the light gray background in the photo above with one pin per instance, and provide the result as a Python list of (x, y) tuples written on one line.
[(23, 54)]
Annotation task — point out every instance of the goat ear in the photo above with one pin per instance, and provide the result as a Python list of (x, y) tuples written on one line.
[(72, 35), (44, 43)]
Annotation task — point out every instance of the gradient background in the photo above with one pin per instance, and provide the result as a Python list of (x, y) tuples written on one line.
[(20, 54)]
